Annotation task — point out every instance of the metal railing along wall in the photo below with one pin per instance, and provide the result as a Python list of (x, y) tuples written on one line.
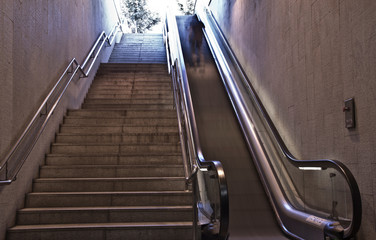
[(312, 199), (13, 162), (206, 177)]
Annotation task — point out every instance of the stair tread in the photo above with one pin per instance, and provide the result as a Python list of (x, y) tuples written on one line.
[(120, 134), (109, 179), (117, 144), (146, 154), (101, 225), (180, 192), (106, 208), (112, 166), (122, 125)]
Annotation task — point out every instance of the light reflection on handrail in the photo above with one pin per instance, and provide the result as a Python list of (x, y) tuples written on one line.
[(18, 154)]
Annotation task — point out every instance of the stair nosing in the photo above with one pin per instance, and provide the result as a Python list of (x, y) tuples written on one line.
[(112, 166), (107, 208), (46, 227), (131, 179), (146, 193)]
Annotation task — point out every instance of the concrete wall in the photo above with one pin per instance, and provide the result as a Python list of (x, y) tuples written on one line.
[(305, 57), (38, 38)]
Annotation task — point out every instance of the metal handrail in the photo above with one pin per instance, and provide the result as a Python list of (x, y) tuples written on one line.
[(330, 228), (18, 153), (195, 150)]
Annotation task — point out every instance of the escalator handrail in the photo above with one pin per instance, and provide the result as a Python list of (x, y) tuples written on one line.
[(322, 163), (201, 162)]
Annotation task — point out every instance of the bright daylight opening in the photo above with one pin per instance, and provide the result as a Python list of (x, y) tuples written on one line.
[(146, 16)]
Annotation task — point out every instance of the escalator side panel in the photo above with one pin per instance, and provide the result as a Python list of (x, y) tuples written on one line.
[(251, 215)]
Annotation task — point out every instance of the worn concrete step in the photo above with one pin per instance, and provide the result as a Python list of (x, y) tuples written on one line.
[(110, 171), (133, 85), (108, 184), (108, 72), (97, 199), (128, 106), (118, 138), (117, 121), (145, 46), (69, 215), (132, 91), (129, 83), (106, 113), (136, 67), (104, 231), (136, 77), (126, 80), (114, 159), (129, 96), (126, 52), (68, 128), (113, 148), (116, 101), (160, 76), (150, 55), (139, 60)]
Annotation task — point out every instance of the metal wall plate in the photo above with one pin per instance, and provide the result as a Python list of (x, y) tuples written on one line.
[(349, 111)]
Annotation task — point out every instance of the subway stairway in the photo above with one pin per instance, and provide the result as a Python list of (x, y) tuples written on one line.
[(115, 169)]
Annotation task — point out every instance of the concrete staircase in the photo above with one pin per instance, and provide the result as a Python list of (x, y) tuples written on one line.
[(139, 48), (115, 170)]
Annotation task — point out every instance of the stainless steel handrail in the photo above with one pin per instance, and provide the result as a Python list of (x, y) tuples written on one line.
[(195, 150), (18, 153), (329, 227)]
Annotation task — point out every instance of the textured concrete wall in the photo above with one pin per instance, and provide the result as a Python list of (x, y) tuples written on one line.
[(305, 57), (38, 38)]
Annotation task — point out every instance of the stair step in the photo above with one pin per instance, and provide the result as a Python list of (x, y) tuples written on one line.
[(127, 106), (129, 91), (110, 171), (117, 129), (97, 199), (145, 68), (108, 184), (117, 138), (33, 216), (114, 159), (126, 70), (116, 121), (128, 96), (115, 101), (131, 85), (136, 78), (104, 231), (113, 148), (106, 113)]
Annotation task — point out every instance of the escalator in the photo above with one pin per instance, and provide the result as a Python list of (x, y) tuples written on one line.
[(246, 182), (221, 139)]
